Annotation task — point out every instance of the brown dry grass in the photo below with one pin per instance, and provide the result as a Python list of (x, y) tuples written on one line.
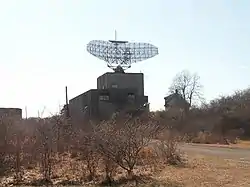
[(243, 144), (210, 172)]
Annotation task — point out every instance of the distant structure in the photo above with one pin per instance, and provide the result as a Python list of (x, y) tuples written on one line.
[(175, 104), (117, 90), (13, 113)]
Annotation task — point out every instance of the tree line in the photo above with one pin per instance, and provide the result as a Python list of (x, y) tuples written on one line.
[(219, 116)]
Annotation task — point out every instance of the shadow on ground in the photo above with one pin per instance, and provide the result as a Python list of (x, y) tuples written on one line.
[(140, 181), (143, 181)]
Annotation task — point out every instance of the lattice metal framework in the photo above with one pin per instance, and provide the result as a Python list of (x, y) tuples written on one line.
[(121, 54)]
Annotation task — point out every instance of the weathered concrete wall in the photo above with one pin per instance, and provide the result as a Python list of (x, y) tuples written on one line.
[(122, 81), (77, 106), (103, 103)]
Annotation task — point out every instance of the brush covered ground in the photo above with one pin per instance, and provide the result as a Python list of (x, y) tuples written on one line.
[(198, 170)]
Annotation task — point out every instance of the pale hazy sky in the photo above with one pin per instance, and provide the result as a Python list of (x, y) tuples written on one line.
[(43, 46)]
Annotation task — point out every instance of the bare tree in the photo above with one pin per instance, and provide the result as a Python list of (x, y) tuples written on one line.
[(45, 140), (18, 151), (122, 142), (168, 148), (188, 85)]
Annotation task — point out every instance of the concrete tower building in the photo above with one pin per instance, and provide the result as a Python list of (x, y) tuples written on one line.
[(115, 92)]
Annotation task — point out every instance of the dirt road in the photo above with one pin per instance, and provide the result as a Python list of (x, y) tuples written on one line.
[(239, 154)]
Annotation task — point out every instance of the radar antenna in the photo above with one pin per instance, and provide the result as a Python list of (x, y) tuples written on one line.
[(115, 35), (119, 55)]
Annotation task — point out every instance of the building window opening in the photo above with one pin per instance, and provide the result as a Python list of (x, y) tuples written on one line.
[(114, 86), (104, 97), (131, 97)]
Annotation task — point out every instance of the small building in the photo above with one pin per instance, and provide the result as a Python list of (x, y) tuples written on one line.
[(11, 113), (8, 117), (175, 104)]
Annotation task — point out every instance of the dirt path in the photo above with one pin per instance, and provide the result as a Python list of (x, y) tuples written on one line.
[(239, 154)]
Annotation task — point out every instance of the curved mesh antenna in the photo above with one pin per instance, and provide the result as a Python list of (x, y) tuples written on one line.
[(121, 53)]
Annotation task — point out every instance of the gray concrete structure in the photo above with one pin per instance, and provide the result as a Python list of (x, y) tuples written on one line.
[(121, 81), (102, 103), (116, 91), (15, 113)]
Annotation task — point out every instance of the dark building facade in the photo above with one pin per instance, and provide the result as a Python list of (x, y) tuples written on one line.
[(15, 113), (115, 91), (176, 105)]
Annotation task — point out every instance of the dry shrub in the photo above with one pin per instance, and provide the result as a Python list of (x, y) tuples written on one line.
[(6, 145), (91, 158), (110, 168), (45, 138), (168, 148), (28, 144), (48, 150), (234, 135), (215, 138), (84, 146), (147, 153), (206, 138), (122, 140), (13, 141)]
